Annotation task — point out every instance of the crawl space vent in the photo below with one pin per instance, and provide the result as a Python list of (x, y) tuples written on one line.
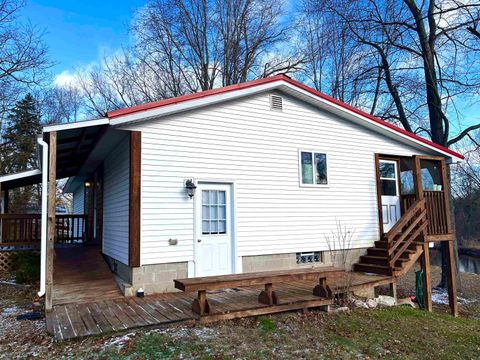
[(276, 102)]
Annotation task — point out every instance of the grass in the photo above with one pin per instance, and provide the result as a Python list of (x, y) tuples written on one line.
[(396, 333)]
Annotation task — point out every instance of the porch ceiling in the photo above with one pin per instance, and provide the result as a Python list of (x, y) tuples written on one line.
[(73, 147)]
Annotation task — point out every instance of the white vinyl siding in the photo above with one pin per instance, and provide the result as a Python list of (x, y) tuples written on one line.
[(79, 200), (257, 149), (115, 202), (79, 207)]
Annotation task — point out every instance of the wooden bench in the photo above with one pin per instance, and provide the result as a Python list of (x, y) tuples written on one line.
[(267, 278)]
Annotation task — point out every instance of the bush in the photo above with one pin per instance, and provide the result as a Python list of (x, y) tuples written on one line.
[(27, 266)]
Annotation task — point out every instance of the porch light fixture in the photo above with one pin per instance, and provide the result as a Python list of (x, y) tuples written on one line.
[(88, 184), (191, 187)]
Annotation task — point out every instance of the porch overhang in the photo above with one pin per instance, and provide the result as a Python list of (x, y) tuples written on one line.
[(24, 178)]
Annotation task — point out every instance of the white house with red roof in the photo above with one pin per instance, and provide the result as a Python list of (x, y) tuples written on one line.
[(265, 175)]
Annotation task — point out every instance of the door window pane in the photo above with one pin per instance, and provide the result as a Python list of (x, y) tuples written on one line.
[(389, 187), (387, 170), (214, 212), (221, 197), (222, 212)]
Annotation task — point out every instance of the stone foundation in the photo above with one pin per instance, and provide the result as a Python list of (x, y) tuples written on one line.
[(341, 258), (159, 278)]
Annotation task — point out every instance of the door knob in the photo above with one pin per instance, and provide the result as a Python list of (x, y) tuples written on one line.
[(199, 240)]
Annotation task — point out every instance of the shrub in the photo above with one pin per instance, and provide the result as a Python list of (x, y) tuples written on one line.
[(27, 266)]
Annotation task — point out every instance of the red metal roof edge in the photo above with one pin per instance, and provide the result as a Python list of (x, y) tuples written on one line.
[(179, 99), (249, 84)]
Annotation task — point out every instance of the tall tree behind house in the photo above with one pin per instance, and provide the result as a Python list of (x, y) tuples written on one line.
[(19, 150)]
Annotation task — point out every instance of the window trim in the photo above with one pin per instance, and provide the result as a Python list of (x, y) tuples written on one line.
[(313, 152)]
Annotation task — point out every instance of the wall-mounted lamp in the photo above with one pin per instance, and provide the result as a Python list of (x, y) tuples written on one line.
[(88, 184), (191, 187)]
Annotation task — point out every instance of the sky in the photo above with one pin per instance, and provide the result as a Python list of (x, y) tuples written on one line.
[(78, 33)]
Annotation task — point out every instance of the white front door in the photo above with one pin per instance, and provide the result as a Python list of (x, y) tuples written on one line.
[(213, 224), (390, 192)]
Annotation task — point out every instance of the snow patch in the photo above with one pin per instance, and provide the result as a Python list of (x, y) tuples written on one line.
[(441, 297)]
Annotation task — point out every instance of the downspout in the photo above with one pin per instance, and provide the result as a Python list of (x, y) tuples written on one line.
[(43, 246)]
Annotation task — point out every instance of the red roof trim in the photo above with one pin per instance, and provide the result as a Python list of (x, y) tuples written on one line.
[(199, 95), (249, 84)]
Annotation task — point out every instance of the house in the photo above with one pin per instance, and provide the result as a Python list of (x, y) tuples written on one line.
[(246, 178)]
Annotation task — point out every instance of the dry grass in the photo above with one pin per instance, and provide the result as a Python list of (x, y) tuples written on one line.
[(397, 333)]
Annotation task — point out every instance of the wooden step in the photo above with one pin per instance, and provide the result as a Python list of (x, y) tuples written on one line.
[(383, 252), (381, 260), (370, 268)]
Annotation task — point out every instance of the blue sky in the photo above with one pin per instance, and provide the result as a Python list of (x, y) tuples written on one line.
[(78, 32)]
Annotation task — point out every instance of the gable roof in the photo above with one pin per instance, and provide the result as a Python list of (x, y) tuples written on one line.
[(182, 103)]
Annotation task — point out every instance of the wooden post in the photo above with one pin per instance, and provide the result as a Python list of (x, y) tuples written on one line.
[(322, 289), (268, 296), (417, 177), (200, 305), (393, 290), (446, 195), (427, 280), (51, 230), (1, 212), (452, 279), (134, 199)]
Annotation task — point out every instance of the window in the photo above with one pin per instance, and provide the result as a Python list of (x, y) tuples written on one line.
[(388, 177), (214, 212), (309, 257), (313, 168)]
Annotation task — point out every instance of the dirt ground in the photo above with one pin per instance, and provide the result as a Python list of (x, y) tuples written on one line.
[(291, 335)]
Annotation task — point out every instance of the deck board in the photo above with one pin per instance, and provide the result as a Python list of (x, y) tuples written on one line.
[(81, 275), (87, 301), (107, 315)]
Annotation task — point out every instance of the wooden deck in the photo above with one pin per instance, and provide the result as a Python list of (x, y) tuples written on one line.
[(80, 318), (81, 275)]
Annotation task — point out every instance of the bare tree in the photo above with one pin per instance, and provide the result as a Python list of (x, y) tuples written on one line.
[(23, 56), (426, 55), (334, 62), (61, 104)]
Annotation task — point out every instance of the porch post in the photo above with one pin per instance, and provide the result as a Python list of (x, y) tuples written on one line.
[(2, 204), (417, 178), (452, 279), (5, 201), (450, 248), (51, 230), (427, 280), (425, 257), (134, 199)]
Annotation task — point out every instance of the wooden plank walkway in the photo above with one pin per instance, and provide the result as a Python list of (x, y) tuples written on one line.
[(81, 275), (80, 318)]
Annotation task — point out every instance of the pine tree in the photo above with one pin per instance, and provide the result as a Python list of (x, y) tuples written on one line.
[(19, 149)]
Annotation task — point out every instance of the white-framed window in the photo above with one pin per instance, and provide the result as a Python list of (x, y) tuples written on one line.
[(313, 168), (309, 257)]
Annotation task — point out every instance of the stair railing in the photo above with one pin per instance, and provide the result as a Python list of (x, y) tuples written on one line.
[(407, 229)]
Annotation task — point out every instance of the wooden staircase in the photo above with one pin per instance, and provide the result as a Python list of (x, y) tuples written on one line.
[(400, 248)]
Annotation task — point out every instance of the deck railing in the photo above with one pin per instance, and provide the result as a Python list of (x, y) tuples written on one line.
[(436, 210), (411, 225), (25, 229)]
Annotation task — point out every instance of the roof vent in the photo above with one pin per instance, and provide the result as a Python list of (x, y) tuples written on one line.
[(276, 102)]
